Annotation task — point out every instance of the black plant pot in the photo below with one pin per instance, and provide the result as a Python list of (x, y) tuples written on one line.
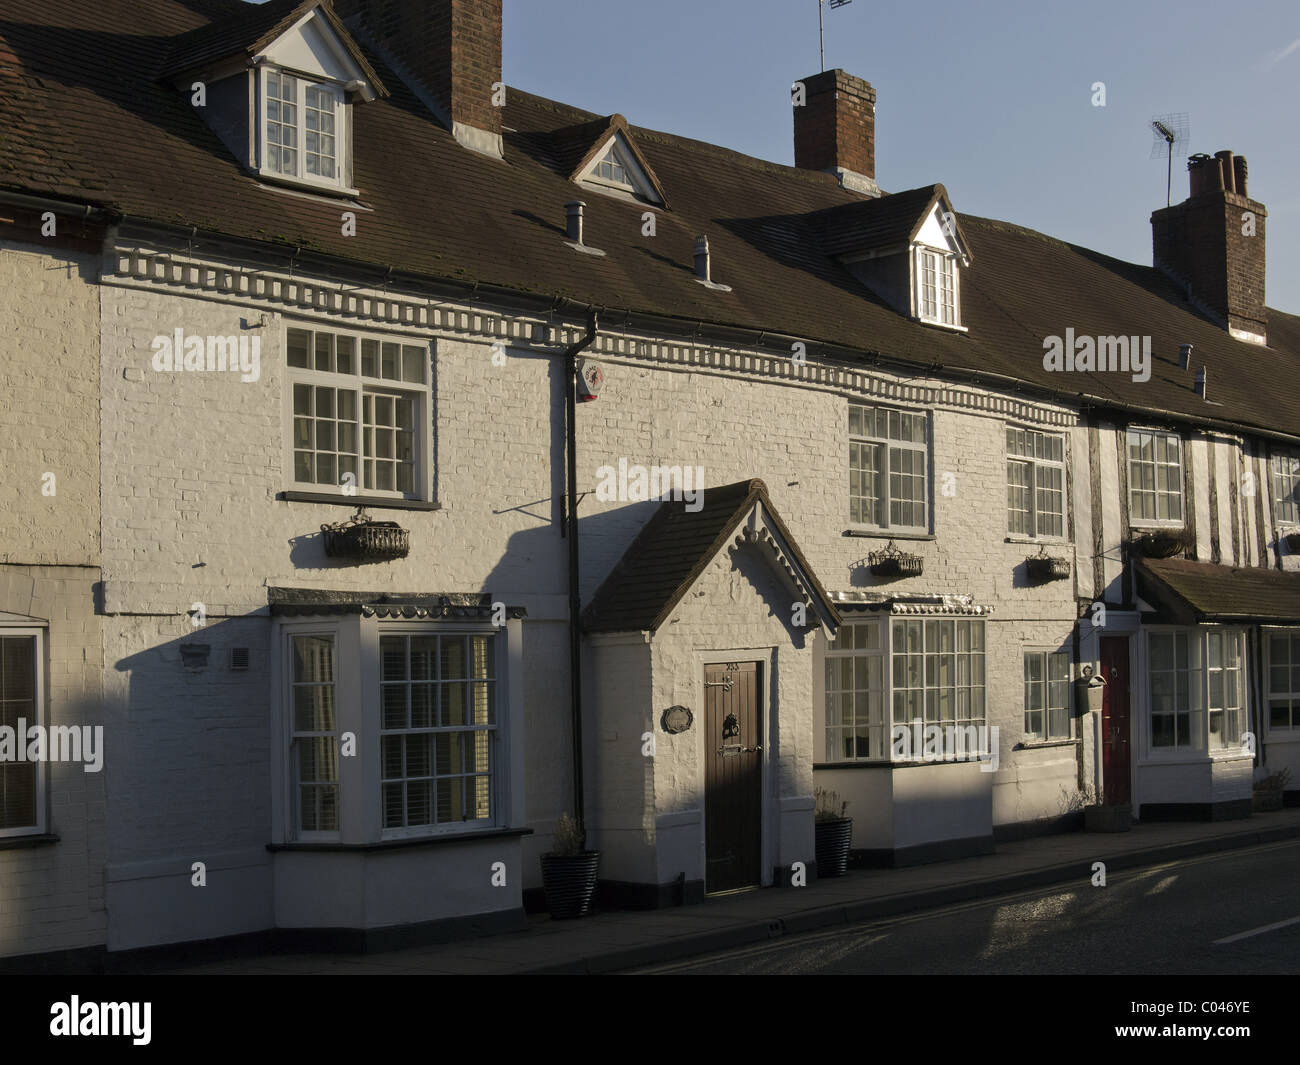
[(1046, 568), (569, 881), (1162, 544), (833, 839)]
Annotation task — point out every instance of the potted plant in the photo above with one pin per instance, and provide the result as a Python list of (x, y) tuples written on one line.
[(1268, 792), (569, 872), (1102, 816), (834, 833)]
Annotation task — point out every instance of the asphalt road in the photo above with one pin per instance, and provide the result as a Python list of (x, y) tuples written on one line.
[(1170, 919)]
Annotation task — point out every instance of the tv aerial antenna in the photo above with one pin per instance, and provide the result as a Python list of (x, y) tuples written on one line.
[(821, 23), (1170, 132)]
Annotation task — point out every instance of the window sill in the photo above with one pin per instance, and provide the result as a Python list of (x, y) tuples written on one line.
[(886, 534), (941, 325), (1015, 538), (448, 838), (1038, 745), (36, 839), (340, 500), (278, 182), (1157, 526)]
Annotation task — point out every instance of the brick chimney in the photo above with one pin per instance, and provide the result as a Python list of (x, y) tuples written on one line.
[(835, 128), (448, 51), (1213, 244)]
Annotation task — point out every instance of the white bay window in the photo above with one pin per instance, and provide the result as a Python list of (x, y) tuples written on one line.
[(1196, 689)]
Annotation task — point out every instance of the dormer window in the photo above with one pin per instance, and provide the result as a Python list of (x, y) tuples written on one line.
[(616, 168), (613, 169), (280, 100), (302, 134), (937, 290)]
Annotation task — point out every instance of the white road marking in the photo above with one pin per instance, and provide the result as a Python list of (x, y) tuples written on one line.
[(1257, 931)]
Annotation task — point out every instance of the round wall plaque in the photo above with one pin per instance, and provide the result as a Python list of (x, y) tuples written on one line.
[(676, 719)]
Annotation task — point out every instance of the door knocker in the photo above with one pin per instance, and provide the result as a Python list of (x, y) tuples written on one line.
[(730, 727)]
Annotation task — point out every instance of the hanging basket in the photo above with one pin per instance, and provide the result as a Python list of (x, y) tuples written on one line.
[(362, 539), (1043, 567), (1293, 542), (1161, 543), (891, 562)]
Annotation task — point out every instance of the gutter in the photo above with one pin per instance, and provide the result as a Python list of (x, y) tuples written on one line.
[(571, 523), (85, 211)]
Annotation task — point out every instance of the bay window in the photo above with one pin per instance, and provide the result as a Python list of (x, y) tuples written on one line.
[(393, 729), (1283, 678), (1196, 688), (929, 671)]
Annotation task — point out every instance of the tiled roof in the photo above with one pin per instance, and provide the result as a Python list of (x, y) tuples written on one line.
[(673, 549), (875, 223), (250, 30), (84, 117), (1198, 591)]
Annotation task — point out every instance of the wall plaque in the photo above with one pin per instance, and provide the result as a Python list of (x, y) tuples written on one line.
[(676, 719)]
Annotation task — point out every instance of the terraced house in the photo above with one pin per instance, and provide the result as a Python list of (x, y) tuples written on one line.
[(333, 345)]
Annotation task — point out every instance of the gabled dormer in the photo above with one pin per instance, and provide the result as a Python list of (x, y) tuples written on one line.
[(907, 248), (279, 86), (614, 166)]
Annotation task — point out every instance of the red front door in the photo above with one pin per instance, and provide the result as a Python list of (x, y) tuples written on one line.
[(1116, 760)]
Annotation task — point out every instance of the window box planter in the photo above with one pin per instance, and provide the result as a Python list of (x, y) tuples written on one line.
[(365, 540), (832, 845), (1112, 817), (1043, 567), (1161, 543), (891, 562)]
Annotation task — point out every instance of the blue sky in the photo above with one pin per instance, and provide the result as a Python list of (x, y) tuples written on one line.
[(992, 99)]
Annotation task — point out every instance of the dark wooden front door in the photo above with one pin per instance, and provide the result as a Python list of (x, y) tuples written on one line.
[(733, 761), (1116, 759)]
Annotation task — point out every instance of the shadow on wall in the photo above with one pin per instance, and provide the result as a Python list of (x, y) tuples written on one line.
[(188, 744)]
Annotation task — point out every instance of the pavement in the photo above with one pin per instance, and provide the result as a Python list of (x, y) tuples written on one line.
[(611, 942)]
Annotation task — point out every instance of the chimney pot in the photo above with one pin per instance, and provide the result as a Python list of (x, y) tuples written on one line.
[(1239, 174), (574, 219), (1199, 174), (1225, 165), (702, 258), (1184, 356)]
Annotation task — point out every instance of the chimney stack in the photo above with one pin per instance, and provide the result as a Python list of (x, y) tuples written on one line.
[(450, 52), (1212, 244), (835, 129)]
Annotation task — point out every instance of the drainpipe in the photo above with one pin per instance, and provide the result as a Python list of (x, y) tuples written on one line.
[(571, 520)]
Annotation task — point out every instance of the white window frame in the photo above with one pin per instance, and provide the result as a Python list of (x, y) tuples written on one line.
[(342, 130), (1035, 463), (1292, 693), (885, 446), (495, 731), (24, 630), (358, 711), (1199, 693), (895, 699), (1284, 472), (637, 187), (294, 806), (419, 393), (1047, 656), (941, 311), (859, 699), (1156, 465)]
